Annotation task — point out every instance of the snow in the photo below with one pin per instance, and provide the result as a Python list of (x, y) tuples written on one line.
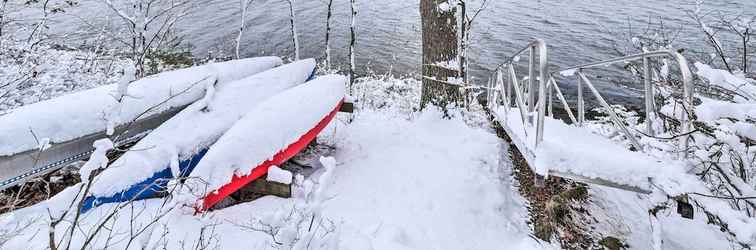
[(447, 6), (431, 183), (269, 128), (452, 64), (568, 72), (56, 72), (114, 116), (575, 150), (711, 109), (409, 181), (196, 127), (664, 71), (578, 151), (276, 174), (728, 81), (83, 113), (625, 215), (98, 160)]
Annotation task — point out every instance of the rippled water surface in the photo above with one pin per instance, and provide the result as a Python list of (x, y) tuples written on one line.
[(577, 31)]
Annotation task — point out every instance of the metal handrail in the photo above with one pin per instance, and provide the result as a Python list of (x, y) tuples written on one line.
[(687, 79), (612, 114), (528, 106), (533, 88), (546, 87), (565, 105)]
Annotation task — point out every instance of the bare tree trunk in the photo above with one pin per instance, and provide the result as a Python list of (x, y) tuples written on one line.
[(352, 41), (440, 54), (462, 40), (244, 7), (3, 10), (328, 35), (746, 38), (294, 34)]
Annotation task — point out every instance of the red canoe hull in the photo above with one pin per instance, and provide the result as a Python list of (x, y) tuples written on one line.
[(237, 182)]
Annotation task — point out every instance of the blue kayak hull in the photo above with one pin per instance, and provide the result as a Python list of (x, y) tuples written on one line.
[(153, 187)]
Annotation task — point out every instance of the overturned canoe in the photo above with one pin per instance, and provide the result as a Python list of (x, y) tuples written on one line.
[(270, 134), (175, 147), (71, 123)]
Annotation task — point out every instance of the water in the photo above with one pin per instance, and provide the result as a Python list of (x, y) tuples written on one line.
[(389, 34)]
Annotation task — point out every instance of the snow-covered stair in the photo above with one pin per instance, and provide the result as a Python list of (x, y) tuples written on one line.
[(576, 153)]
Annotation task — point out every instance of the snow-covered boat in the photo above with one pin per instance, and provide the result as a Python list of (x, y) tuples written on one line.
[(175, 147), (269, 135), (42, 137)]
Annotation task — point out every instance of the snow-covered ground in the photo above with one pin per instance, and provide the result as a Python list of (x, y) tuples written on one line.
[(624, 215), (27, 78), (402, 180)]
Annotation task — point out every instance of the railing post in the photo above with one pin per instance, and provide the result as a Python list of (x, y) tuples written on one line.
[(531, 84), (509, 89), (580, 101), (489, 91), (550, 93), (500, 86), (688, 107), (543, 70), (649, 89)]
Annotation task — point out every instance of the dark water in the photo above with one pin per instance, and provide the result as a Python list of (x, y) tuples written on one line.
[(389, 34), (577, 31)]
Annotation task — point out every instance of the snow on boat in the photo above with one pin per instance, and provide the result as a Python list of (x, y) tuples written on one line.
[(42, 137), (175, 148), (268, 135)]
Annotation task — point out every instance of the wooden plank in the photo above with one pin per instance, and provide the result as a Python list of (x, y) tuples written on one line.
[(264, 187), (347, 107)]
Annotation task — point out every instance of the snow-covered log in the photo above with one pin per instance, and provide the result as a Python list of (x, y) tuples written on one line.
[(174, 148), (268, 135)]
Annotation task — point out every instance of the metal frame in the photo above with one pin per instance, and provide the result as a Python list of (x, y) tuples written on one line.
[(685, 113), (529, 106), (536, 86)]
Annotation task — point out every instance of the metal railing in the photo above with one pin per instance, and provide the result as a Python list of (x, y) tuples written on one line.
[(504, 83), (536, 86), (649, 103)]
